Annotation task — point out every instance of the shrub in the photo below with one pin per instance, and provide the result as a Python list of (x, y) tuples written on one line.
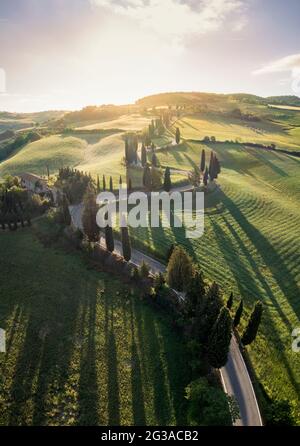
[(144, 270), (209, 406)]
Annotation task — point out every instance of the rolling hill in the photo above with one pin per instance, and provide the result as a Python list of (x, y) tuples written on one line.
[(250, 246)]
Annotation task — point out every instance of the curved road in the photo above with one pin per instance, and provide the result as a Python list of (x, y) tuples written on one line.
[(235, 377)]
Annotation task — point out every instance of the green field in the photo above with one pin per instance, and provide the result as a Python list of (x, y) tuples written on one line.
[(126, 122), (89, 152), (82, 348), (251, 245), (251, 242), (227, 129)]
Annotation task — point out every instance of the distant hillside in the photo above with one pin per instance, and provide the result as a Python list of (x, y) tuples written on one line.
[(18, 121), (196, 98), (284, 100), (101, 113), (7, 134)]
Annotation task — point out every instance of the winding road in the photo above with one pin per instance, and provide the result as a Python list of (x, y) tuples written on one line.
[(235, 377)]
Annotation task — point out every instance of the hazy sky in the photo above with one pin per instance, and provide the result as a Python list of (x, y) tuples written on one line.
[(65, 54)]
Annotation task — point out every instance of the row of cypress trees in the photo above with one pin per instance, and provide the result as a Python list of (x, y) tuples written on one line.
[(107, 185), (211, 320), (91, 229)]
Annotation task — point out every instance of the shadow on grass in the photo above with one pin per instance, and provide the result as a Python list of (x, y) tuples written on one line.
[(112, 366), (138, 404), (88, 397)]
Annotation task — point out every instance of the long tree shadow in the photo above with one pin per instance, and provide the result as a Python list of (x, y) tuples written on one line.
[(261, 157), (228, 249), (25, 372), (44, 357), (112, 367), (138, 404), (257, 272), (269, 254), (162, 406), (177, 375), (88, 397)]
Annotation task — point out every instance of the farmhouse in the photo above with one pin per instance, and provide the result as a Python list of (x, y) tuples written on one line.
[(37, 185)]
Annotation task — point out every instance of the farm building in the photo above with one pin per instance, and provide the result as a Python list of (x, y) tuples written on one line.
[(38, 185)]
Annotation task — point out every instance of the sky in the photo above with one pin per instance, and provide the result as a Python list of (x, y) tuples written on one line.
[(66, 54)]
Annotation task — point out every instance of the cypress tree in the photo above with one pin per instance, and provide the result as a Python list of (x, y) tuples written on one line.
[(111, 187), (202, 163), (252, 328), (177, 136), (179, 269), (126, 150), (98, 184), (120, 181), (147, 178), (195, 291), (219, 340), (104, 183), (126, 246), (109, 238), (154, 160), (208, 314), (217, 167), (238, 314), (167, 180), (170, 252), (230, 301), (143, 155), (205, 178), (211, 169), (90, 210), (65, 211), (129, 184)]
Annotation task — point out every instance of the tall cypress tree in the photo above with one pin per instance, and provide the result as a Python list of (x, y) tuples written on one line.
[(120, 181), (217, 167), (177, 136), (104, 183), (143, 155), (208, 314), (211, 166), (202, 162), (195, 292), (167, 180), (219, 340), (129, 184), (154, 160), (147, 178), (126, 245), (179, 269), (98, 184), (126, 150), (111, 187), (109, 238), (65, 211), (230, 301), (205, 177), (238, 314), (90, 210), (252, 328)]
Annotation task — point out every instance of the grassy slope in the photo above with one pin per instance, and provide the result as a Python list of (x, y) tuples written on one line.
[(54, 151), (251, 245), (81, 348), (126, 122), (265, 132), (95, 153)]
